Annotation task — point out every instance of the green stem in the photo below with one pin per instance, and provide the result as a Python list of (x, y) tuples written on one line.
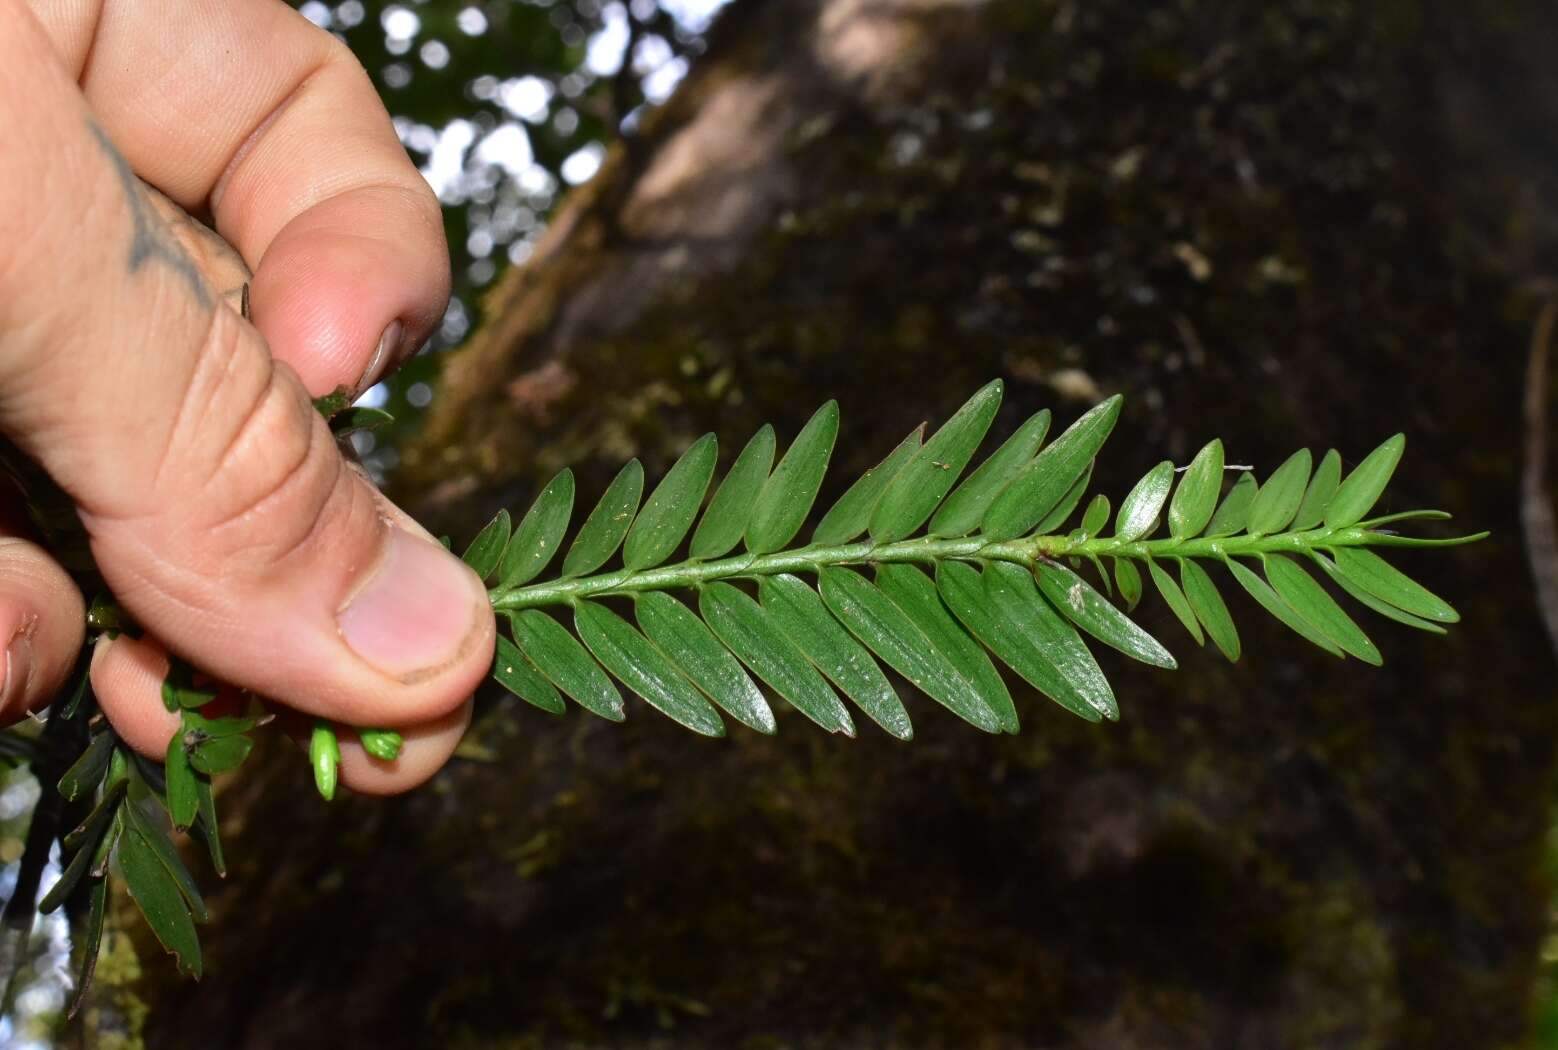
[(928, 550)]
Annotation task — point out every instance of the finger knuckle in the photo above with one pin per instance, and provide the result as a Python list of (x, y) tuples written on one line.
[(251, 473), (274, 482)]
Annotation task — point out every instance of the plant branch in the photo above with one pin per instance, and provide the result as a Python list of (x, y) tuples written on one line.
[(930, 550)]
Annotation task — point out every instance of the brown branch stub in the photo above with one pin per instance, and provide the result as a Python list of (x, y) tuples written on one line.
[(1536, 507)]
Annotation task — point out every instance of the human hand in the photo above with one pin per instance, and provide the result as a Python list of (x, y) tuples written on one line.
[(218, 507)]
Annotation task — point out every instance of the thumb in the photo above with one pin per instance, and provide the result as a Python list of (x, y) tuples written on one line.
[(218, 507)]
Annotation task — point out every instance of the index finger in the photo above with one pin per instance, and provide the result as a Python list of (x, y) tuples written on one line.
[(245, 108)]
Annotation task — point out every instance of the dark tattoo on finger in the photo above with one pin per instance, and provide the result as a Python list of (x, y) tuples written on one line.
[(150, 241), (212, 252)]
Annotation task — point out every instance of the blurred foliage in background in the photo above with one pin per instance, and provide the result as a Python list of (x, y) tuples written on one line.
[(42, 961), (1544, 1033), (504, 104)]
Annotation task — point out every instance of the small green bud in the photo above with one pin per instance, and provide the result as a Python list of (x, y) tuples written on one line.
[(383, 744), (324, 754)]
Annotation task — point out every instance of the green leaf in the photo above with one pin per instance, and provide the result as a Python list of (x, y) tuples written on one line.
[(103, 857), (540, 533), (1058, 514), (486, 550), (221, 754), (1144, 503), (1103, 573), (158, 897), (1193, 502), (1357, 495), (156, 839), (515, 673), (1005, 612), (806, 621), (791, 489), (1091, 611), (558, 655), (1311, 510), (1128, 579), (914, 592), (603, 530), (195, 722), (1363, 597), (334, 403), (1046, 480), (89, 945), (1278, 499), (1096, 516), (1378, 577), (360, 418), (966, 507), (851, 515), (1405, 515), (182, 784), (207, 826), (71, 876), (888, 631), (1387, 539), (1304, 593), (1175, 599), (750, 631), (644, 669), (81, 688), (1139, 513), (96, 820), (87, 771), (1234, 512), (670, 509), (700, 656), (1278, 607), (1209, 608), (85, 844), (927, 478), (731, 508), (179, 689)]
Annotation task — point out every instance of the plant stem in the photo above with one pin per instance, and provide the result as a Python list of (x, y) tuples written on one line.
[(1024, 552)]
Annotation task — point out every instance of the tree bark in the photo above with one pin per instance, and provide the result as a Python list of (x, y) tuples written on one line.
[(1264, 222)]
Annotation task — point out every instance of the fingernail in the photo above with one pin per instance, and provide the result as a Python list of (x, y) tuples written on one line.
[(415, 614), (18, 668), (389, 343)]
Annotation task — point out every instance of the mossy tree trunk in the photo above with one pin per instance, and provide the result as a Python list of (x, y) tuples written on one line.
[(1249, 218)]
